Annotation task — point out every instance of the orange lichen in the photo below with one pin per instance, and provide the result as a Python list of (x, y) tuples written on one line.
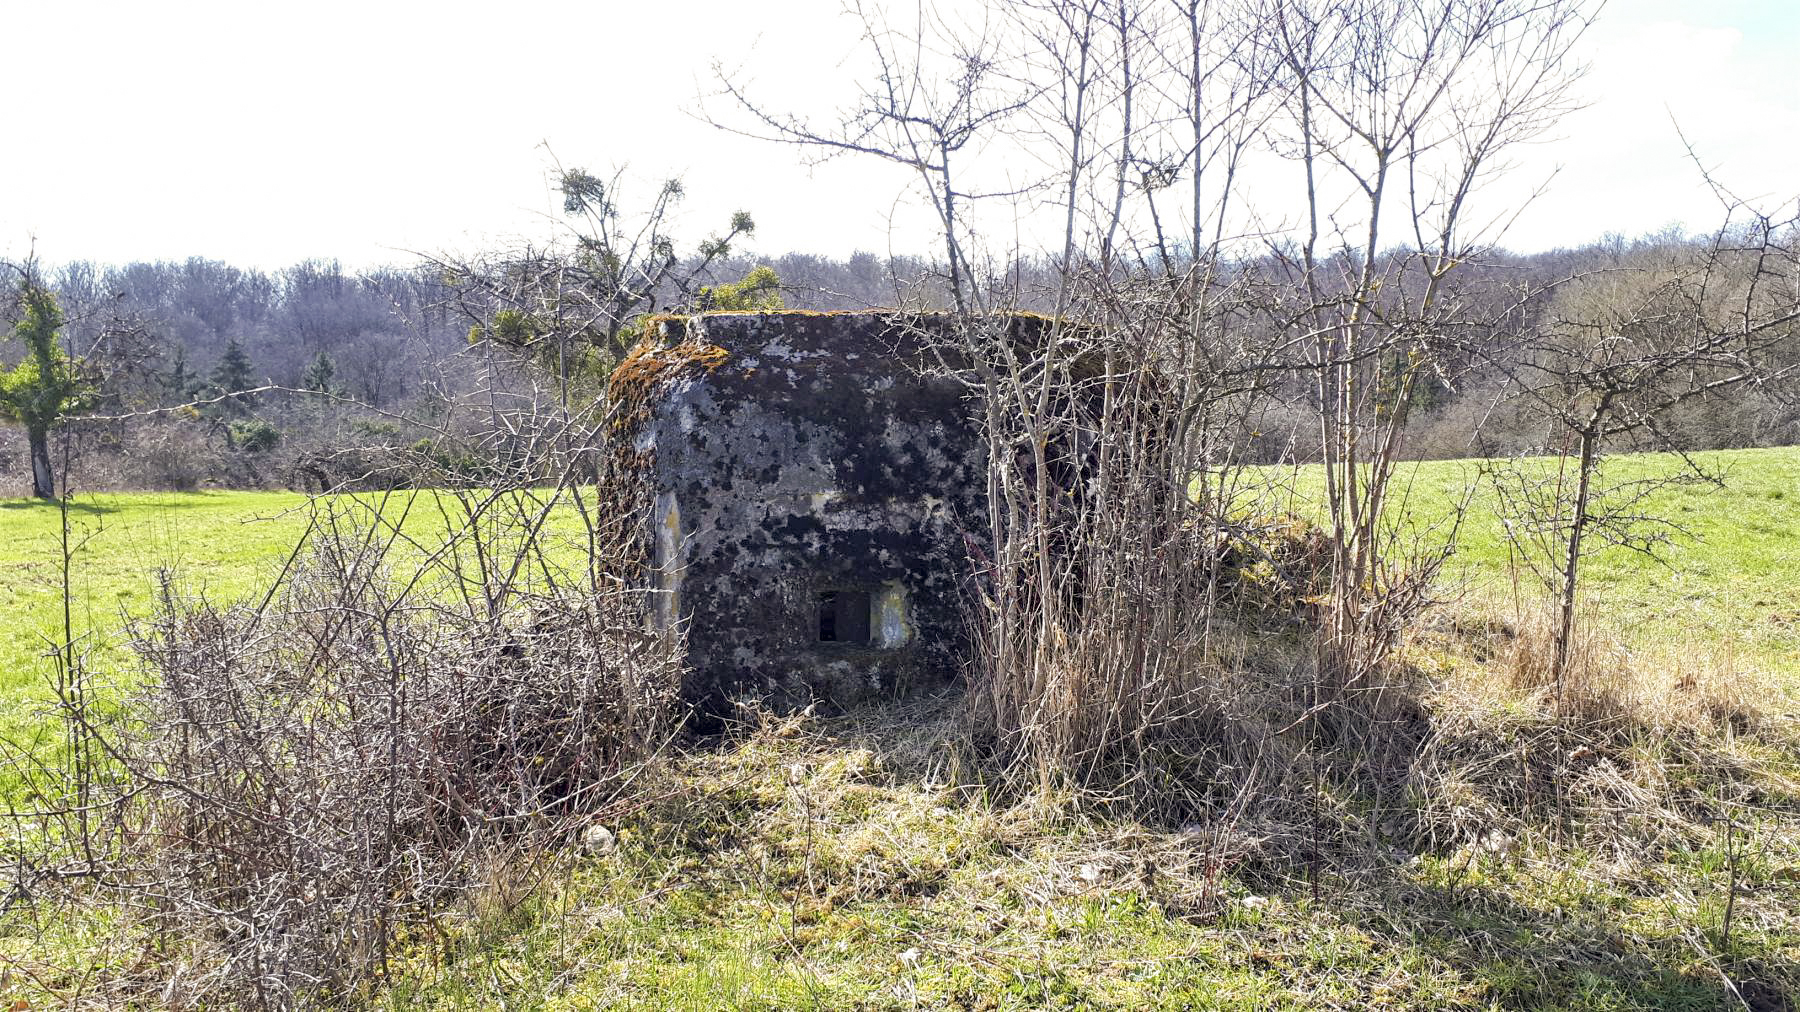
[(649, 365), (653, 326)]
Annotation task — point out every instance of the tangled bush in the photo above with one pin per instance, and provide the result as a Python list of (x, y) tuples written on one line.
[(308, 776), (174, 457)]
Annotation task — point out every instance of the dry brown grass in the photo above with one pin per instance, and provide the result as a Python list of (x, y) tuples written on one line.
[(1690, 685), (1463, 744), (1639, 753), (852, 854)]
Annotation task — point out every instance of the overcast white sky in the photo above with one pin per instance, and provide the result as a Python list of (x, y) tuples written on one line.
[(262, 134)]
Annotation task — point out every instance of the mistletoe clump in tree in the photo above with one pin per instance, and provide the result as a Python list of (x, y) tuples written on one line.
[(577, 304), (46, 386)]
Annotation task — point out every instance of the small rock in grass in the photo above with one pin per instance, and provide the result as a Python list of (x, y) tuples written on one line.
[(597, 839)]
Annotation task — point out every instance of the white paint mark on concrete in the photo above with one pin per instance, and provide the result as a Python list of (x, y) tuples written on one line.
[(892, 625)]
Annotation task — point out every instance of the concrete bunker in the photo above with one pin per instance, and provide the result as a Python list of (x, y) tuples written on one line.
[(815, 487)]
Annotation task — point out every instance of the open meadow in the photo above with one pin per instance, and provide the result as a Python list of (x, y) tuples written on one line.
[(1731, 590), (1732, 587), (855, 861), (222, 547), (965, 519), (1726, 586), (226, 542)]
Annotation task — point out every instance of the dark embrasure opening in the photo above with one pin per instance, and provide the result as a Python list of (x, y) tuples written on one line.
[(844, 616)]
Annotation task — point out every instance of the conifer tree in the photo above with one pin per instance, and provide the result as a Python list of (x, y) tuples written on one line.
[(181, 383), (321, 374), (232, 376)]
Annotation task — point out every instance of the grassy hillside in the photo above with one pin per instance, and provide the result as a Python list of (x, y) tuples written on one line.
[(1725, 586), (855, 862)]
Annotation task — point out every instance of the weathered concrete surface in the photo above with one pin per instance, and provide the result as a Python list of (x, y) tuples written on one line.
[(817, 488)]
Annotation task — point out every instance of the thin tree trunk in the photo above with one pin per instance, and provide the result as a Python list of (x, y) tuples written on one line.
[(43, 480), (1565, 624)]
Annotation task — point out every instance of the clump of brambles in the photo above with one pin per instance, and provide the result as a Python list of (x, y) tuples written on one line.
[(307, 778)]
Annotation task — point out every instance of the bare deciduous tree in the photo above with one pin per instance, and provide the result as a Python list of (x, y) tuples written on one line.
[(1622, 349), (937, 92), (1399, 112)]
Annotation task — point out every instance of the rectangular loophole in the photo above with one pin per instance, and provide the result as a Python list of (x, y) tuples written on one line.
[(844, 617)]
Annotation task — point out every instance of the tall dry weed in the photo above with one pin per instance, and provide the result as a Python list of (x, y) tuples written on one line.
[(1683, 685)]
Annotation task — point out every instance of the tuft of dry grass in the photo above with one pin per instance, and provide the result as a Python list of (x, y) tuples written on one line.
[(1695, 686), (1639, 753)]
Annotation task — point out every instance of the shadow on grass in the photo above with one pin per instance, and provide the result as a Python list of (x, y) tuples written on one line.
[(1513, 933), (1555, 957), (152, 501), (52, 506)]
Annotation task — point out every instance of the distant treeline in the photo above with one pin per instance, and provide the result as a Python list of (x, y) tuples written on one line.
[(380, 326), (384, 342)]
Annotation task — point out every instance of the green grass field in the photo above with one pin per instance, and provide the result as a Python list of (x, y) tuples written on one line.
[(1735, 586), (223, 545), (837, 864), (228, 543), (1731, 584)]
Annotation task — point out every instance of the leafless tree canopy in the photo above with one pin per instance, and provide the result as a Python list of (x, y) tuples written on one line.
[(1269, 233)]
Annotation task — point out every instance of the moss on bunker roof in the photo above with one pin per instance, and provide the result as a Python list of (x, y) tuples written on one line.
[(934, 314), (674, 345)]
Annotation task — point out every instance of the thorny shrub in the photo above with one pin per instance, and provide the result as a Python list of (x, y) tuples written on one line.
[(303, 778), (1147, 630)]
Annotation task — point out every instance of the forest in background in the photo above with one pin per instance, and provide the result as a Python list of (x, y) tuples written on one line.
[(365, 364)]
